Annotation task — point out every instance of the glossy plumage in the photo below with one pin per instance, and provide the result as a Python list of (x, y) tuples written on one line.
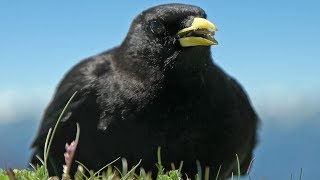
[(151, 92)]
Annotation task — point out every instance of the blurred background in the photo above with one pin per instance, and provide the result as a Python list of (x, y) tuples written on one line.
[(271, 47)]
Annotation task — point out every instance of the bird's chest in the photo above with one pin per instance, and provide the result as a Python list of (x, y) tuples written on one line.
[(180, 109)]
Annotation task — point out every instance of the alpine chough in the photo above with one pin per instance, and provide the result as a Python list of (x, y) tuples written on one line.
[(159, 88)]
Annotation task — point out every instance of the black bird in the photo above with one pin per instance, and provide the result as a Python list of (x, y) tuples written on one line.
[(160, 87)]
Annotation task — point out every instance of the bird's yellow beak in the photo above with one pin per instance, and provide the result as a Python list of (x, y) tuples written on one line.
[(200, 33)]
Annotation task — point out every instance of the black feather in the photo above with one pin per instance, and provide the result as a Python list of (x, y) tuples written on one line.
[(151, 92)]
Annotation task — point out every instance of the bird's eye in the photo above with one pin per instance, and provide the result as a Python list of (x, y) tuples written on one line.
[(157, 27)]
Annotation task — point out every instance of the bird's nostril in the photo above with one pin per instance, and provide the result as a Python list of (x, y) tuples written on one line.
[(187, 22)]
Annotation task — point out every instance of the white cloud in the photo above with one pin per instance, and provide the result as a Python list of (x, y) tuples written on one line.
[(22, 104), (286, 106)]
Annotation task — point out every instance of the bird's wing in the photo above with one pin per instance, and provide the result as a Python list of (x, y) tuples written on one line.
[(56, 107), (254, 120), (245, 101), (73, 82)]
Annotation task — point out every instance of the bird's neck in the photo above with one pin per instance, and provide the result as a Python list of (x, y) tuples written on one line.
[(190, 65), (138, 66), (183, 66), (194, 59)]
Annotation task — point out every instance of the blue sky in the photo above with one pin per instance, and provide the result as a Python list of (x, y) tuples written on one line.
[(271, 47)]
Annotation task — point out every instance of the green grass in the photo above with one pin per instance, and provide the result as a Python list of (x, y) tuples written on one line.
[(108, 172)]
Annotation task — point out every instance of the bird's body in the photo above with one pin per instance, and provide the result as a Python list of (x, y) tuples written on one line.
[(149, 93)]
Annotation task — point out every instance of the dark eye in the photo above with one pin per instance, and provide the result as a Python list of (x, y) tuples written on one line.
[(157, 27)]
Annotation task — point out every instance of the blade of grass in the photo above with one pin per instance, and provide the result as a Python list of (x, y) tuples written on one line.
[(40, 159), (173, 167), (132, 170), (238, 166), (250, 166), (180, 167), (55, 128), (199, 169), (85, 168), (300, 178), (218, 173), (45, 148), (160, 167), (159, 156), (33, 167), (117, 169), (81, 172), (207, 173), (104, 167), (109, 171), (124, 165)]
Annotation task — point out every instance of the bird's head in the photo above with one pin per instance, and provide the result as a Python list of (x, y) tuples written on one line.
[(160, 34)]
